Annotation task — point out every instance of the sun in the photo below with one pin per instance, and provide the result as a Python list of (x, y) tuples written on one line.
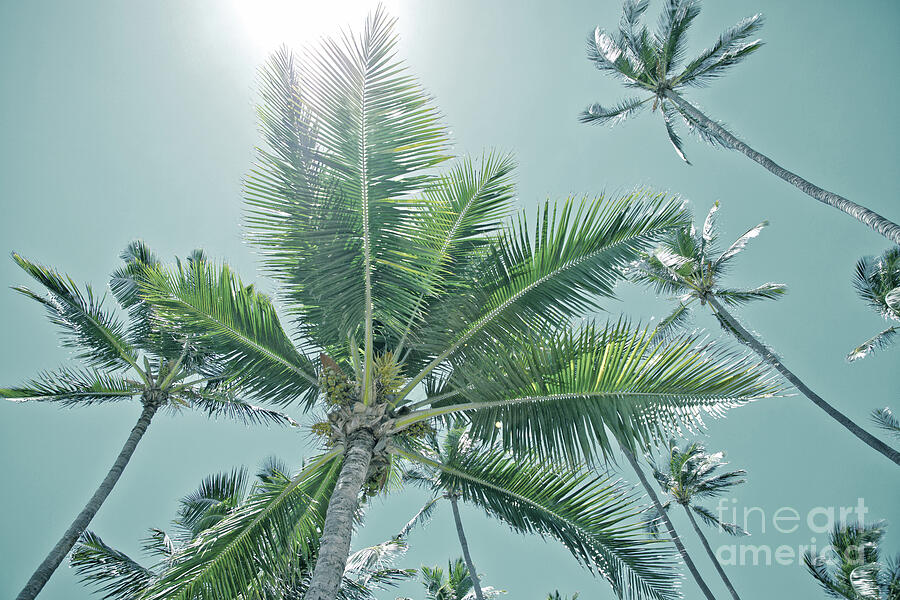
[(270, 23)]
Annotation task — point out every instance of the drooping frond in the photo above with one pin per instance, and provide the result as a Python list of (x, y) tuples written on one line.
[(574, 258), (711, 519), (600, 115), (884, 418), (278, 522), (110, 572), (99, 336), (226, 404), (73, 387), (669, 113), (569, 395), (595, 518), (767, 291), (235, 322)]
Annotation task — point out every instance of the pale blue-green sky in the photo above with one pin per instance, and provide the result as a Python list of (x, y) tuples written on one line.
[(124, 120)]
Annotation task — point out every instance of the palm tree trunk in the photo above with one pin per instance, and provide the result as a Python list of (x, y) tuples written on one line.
[(668, 523), (473, 574), (887, 228), (40, 577), (712, 555), (334, 547), (746, 337)]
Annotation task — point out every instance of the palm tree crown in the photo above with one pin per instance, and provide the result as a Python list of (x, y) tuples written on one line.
[(655, 64), (690, 474), (854, 568), (689, 264), (878, 283), (413, 297), (453, 584)]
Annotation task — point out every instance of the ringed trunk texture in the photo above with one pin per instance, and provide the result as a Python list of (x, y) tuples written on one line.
[(473, 574), (712, 555), (668, 523), (885, 227), (334, 547), (745, 336), (40, 577)]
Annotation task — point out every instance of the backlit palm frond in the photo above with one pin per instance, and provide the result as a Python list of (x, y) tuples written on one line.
[(279, 520), (669, 120), (739, 244), (729, 49), (213, 307), (612, 115), (595, 518), (141, 333), (879, 341), (378, 134), (110, 572), (464, 212), (674, 22), (877, 281), (97, 333), (608, 54), (73, 387), (216, 496), (567, 396), (577, 254)]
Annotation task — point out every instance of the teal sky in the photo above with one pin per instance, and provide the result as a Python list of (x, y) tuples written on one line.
[(125, 120)]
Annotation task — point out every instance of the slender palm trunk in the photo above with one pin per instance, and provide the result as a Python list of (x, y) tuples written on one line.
[(887, 228), (334, 547), (668, 523), (712, 555), (473, 574), (746, 337), (40, 577)]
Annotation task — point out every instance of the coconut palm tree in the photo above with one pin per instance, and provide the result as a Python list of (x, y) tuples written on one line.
[(689, 475), (529, 495), (853, 568), (125, 360), (652, 63), (413, 298), (455, 584), (878, 283), (690, 265), (119, 577)]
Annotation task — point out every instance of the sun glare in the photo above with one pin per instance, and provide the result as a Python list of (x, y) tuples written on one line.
[(270, 23)]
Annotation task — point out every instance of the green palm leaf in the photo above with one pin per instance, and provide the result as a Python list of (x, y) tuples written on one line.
[(215, 309), (113, 573), (100, 337), (72, 387), (238, 554)]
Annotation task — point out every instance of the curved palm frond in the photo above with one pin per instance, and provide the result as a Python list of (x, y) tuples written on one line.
[(99, 336), (236, 323), (595, 518), (885, 419), (877, 281), (278, 521), (114, 574), (575, 393), (575, 256)]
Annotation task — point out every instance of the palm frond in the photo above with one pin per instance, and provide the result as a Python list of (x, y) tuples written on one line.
[(600, 115), (674, 322), (767, 291), (739, 244), (224, 403), (575, 257), (728, 50), (674, 22), (570, 395), (113, 573), (72, 387), (712, 520), (100, 337), (420, 518), (217, 311), (595, 518), (281, 519), (884, 418), (674, 138), (879, 341)]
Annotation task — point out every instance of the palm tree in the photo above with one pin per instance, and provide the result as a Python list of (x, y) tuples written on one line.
[(119, 577), (413, 298), (555, 596), (455, 584), (688, 264), (853, 568), (651, 63), (529, 495), (135, 359), (690, 474), (878, 283)]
